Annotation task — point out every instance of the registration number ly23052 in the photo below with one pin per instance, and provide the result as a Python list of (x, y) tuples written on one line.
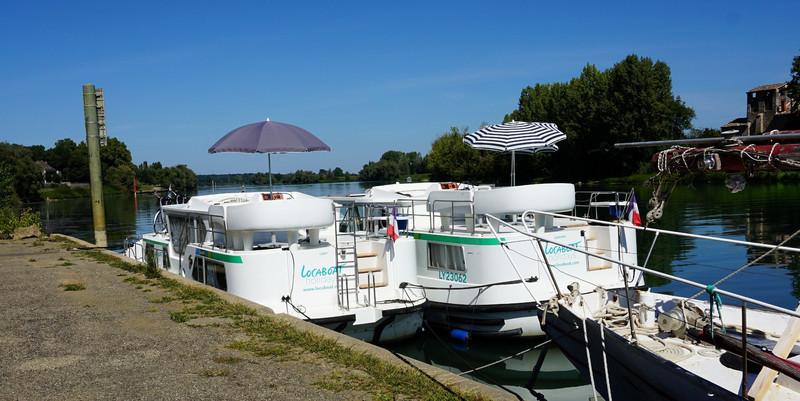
[(456, 277)]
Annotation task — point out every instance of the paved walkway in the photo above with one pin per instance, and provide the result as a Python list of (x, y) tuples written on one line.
[(110, 341)]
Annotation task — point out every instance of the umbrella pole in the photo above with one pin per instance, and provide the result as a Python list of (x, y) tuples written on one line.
[(513, 168), (269, 164)]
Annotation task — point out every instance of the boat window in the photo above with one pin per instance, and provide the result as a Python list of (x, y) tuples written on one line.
[(179, 232), (218, 231), (215, 275), (197, 268), (448, 257), (202, 231), (155, 255), (210, 272)]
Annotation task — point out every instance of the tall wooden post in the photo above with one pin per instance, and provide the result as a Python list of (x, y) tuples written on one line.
[(95, 176)]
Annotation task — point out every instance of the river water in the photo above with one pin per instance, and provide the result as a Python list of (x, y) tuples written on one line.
[(765, 213)]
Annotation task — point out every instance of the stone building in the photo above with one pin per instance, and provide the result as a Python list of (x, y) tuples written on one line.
[(48, 171), (769, 108)]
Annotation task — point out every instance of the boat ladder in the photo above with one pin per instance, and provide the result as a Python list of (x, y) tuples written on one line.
[(346, 224)]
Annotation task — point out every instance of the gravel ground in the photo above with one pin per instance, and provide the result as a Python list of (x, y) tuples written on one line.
[(109, 341)]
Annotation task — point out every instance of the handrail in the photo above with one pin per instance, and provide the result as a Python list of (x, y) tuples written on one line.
[(589, 200), (452, 211), (653, 272), (661, 231)]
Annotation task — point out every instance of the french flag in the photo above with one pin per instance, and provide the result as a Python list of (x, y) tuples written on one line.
[(633, 211), (393, 230)]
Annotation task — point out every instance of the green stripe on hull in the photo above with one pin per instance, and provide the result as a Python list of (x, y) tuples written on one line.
[(219, 256), (458, 240), (155, 242)]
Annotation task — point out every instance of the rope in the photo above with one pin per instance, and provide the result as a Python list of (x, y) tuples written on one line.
[(771, 151), (490, 364), (605, 361), (483, 376), (299, 309), (472, 287), (683, 158), (589, 359), (714, 300)]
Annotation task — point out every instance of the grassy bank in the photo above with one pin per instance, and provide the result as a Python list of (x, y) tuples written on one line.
[(275, 338)]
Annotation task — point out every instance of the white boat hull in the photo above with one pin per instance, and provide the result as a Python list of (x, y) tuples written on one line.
[(219, 244)]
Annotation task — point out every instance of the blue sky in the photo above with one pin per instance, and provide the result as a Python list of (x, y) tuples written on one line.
[(365, 77)]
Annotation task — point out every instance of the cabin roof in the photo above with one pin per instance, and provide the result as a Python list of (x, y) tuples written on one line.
[(767, 87), (736, 122), (46, 167)]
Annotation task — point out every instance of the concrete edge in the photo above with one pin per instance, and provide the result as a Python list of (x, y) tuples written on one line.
[(447, 378)]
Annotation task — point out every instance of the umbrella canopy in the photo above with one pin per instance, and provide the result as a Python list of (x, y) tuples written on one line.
[(517, 136), (541, 149), (269, 137)]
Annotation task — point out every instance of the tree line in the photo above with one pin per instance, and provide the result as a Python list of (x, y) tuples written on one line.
[(21, 178), (630, 102), (297, 177)]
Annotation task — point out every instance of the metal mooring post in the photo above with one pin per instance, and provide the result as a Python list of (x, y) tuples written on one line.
[(95, 177)]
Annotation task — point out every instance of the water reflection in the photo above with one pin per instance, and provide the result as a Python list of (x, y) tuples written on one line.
[(557, 380), (766, 213)]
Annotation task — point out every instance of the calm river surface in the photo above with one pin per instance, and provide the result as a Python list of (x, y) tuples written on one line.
[(761, 213)]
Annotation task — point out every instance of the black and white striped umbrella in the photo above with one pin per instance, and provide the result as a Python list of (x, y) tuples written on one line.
[(517, 136)]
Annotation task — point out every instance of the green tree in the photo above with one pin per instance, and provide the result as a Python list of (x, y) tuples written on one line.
[(58, 156), (630, 102), (119, 177), (704, 133), (115, 154), (37, 152), (643, 109), (7, 191), (369, 172), (452, 159), (78, 164), (26, 175), (300, 177), (392, 166), (793, 88)]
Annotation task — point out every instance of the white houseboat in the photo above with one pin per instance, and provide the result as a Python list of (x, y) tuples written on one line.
[(267, 248), (485, 279)]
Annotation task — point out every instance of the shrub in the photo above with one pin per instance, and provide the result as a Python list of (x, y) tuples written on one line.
[(9, 221)]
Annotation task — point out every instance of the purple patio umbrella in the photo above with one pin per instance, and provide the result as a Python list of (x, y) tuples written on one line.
[(269, 137)]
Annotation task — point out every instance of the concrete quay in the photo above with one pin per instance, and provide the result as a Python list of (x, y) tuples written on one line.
[(110, 340)]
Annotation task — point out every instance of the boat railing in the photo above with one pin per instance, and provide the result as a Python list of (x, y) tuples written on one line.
[(612, 205), (133, 247), (541, 239), (219, 237), (658, 231), (448, 220), (370, 218), (203, 229), (705, 321)]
